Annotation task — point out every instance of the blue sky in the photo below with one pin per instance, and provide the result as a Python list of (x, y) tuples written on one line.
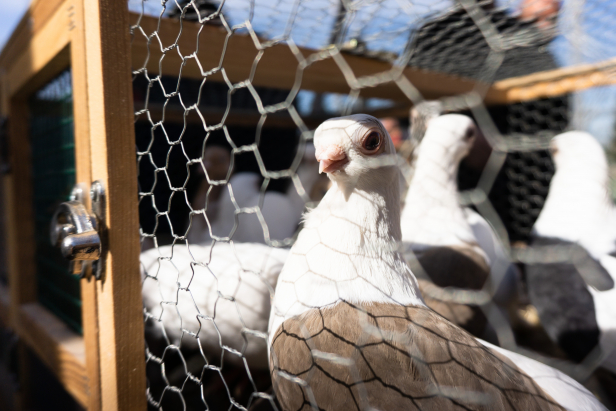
[(12, 11), (586, 36)]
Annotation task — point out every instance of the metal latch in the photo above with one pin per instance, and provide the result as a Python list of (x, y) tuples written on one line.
[(79, 232)]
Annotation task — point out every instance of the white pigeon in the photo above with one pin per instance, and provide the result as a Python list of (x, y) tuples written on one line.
[(220, 294), (453, 244), (348, 327), (215, 167), (502, 270), (575, 296), (243, 191)]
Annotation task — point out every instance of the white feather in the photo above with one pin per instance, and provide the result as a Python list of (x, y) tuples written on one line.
[(433, 216), (579, 209), (280, 215), (220, 294), (562, 388), (505, 275)]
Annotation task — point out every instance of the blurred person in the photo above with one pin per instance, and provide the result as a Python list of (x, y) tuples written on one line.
[(542, 12), (395, 131)]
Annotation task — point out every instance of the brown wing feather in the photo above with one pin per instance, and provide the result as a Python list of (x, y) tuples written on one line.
[(392, 357)]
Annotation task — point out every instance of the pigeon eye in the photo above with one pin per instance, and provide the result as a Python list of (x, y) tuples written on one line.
[(372, 141), (469, 134)]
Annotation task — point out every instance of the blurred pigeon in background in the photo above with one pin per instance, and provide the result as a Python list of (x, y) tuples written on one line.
[(212, 296), (453, 245), (280, 215), (570, 276)]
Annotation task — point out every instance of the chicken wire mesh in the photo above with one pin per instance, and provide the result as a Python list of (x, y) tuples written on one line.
[(226, 168)]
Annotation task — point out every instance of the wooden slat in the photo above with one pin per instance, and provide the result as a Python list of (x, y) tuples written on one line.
[(37, 54), (554, 82), (236, 117), (38, 51), (19, 226), (20, 221), (46, 49), (37, 15), (5, 304), (83, 174), (278, 65), (112, 144), (60, 348)]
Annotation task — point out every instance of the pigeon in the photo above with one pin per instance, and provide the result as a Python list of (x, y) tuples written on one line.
[(243, 192), (570, 276), (502, 270), (216, 167), (420, 115), (453, 245), (349, 328), (212, 296)]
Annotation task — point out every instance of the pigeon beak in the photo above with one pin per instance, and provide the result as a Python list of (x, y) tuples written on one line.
[(331, 159)]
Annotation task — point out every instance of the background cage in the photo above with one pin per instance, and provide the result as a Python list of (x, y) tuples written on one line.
[(93, 90)]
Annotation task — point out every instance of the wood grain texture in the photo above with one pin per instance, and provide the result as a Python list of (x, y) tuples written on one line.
[(278, 67), (555, 82), (89, 298), (392, 357), (60, 348), (113, 162)]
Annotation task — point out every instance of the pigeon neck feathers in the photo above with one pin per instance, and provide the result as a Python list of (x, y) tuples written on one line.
[(346, 252), (373, 209), (432, 215)]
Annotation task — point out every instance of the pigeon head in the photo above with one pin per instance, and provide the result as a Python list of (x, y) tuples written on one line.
[(454, 133), (349, 148), (420, 116)]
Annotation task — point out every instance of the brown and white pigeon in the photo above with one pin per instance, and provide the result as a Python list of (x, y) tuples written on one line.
[(349, 329)]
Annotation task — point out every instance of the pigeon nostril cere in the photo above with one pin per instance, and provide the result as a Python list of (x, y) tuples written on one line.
[(332, 153)]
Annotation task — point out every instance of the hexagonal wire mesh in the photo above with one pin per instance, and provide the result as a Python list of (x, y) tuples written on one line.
[(227, 100)]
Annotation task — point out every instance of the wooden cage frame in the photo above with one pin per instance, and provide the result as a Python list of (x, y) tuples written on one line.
[(105, 369)]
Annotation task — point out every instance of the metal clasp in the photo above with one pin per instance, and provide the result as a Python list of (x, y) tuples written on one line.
[(77, 231)]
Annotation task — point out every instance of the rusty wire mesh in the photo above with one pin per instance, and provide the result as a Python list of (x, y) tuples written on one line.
[(226, 162)]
